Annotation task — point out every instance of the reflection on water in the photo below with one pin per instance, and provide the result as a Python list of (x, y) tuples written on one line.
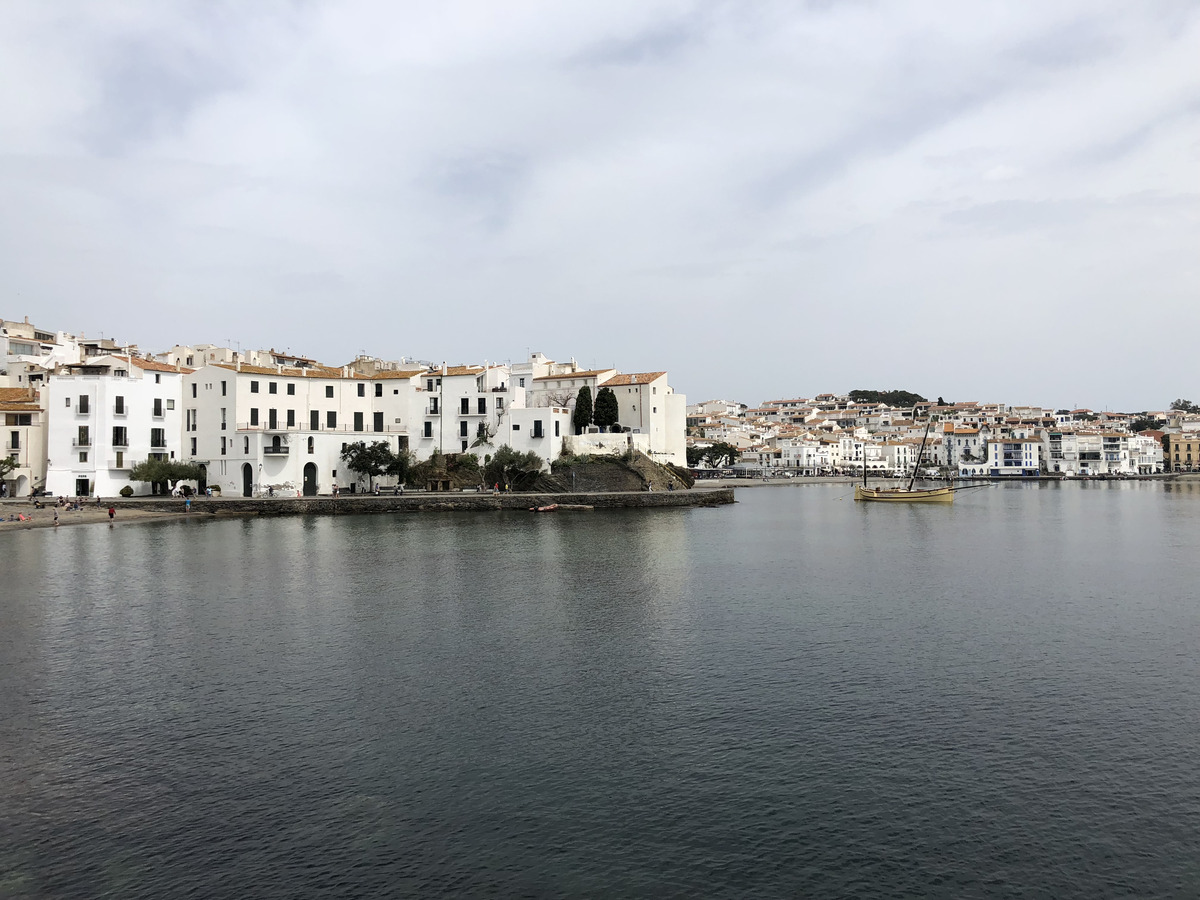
[(796, 696)]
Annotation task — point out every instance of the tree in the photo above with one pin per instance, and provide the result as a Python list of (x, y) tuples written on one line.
[(891, 398), (371, 459), (508, 467), (164, 474), (483, 435), (582, 417), (717, 455), (7, 464), (607, 412), (401, 465), (1146, 423), (1184, 406), (561, 398)]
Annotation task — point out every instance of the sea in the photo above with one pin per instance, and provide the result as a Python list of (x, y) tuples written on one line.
[(794, 696)]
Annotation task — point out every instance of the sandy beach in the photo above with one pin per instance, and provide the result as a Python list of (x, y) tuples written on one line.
[(88, 515)]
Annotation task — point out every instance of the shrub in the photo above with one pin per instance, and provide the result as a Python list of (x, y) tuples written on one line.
[(126, 491)]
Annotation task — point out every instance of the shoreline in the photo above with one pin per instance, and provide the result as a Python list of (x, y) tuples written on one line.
[(151, 508)]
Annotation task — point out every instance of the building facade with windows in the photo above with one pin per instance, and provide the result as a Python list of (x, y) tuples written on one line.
[(106, 414), (24, 440)]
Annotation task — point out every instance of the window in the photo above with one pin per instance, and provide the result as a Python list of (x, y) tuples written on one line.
[(428, 429), (516, 427), (331, 419), (537, 428), (222, 446), (464, 406), (254, 416), (362, 390), (482, 406), (193, 446), (158, 409), (120, 460), (272, 418), (358, 420), (170, 403), (310, 445), (379, 390), (522, 382), (119, 405), (654, 409), (499, 403), (193, 390), (429, 384), (462, 429), (291, 418), (158, 437), (157, 378), (120, 436), (378, 423), (272, 387), (84, 437), (314, 420), (254, 387), (556, 424), (14, 442), (433, 406), (291, 390), (246, 445), (328, 390), (83, 456), (222, 389), (464, 446), (83, 404)]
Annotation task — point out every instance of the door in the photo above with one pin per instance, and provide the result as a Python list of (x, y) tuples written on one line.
[(310, 480), (202, 483), (247, 480), (82, 488)]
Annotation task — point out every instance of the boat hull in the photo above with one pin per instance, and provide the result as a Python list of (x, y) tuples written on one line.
[(900, 495)]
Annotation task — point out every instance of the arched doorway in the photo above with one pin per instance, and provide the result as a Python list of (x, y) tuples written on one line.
[(310, 480), (247, 480), (202, 481)]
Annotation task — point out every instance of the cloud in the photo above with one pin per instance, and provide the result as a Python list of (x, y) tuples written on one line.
[(737, 193)]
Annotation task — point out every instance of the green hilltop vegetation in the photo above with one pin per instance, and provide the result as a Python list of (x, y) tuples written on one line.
[(898, 399)]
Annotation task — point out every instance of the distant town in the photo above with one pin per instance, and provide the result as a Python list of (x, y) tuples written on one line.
[(82, 414)]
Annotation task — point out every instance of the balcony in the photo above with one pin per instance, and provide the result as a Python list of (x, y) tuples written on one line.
[(272, 450), (120, 464), (11, 445), (81, 442), (120, 443), (158, 445)]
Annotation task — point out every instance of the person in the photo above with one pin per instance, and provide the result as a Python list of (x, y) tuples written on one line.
[(335, 489), (112, 512), (187, 503), (56, 517)]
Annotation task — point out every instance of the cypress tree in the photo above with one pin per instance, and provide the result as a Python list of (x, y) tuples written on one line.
[(582, 417)]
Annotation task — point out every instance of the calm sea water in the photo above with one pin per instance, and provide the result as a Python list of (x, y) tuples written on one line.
[(794, 696)]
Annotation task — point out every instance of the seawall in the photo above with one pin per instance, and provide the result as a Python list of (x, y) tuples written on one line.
[(422, 502)]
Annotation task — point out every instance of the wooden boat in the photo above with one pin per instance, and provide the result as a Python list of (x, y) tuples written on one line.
[(905, 494)]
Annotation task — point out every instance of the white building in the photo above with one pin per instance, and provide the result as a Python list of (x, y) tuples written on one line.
[(106, 414), (24, 440), (1014, 456)]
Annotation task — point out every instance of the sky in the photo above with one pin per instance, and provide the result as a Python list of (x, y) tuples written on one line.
[(979, 201)]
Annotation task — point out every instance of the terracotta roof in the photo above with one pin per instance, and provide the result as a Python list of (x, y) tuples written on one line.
[(396, 375), (635, 378), (17, 394), (19, 406), (455, 370), (155, 366), (285, 371), (590, 373)]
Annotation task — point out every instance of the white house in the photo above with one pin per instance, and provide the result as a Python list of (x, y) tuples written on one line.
[(24, 439), (106, 414)]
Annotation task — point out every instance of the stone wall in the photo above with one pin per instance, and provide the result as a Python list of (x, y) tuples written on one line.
[(417, 502)]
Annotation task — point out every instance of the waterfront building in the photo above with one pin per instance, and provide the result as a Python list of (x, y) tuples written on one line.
[(105, 414), (24, 439), (1008, 456)]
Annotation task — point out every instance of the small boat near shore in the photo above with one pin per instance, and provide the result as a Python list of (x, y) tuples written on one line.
[(905, 495)]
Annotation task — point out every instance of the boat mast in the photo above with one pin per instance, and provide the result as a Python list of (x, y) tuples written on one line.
[(921, 452)]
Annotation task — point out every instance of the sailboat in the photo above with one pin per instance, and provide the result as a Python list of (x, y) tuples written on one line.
[(906, 494)]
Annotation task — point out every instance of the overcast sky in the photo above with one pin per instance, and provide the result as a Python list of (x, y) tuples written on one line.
[(984, 201)]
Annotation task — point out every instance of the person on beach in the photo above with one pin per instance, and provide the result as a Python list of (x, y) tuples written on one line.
[(112, 511), (56, 517), (187, 503)]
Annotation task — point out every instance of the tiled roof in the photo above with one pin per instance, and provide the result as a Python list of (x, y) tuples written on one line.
[(590, 373), (155, 366), (396, 375), (17, 394), (635, 378), (455, 370)]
